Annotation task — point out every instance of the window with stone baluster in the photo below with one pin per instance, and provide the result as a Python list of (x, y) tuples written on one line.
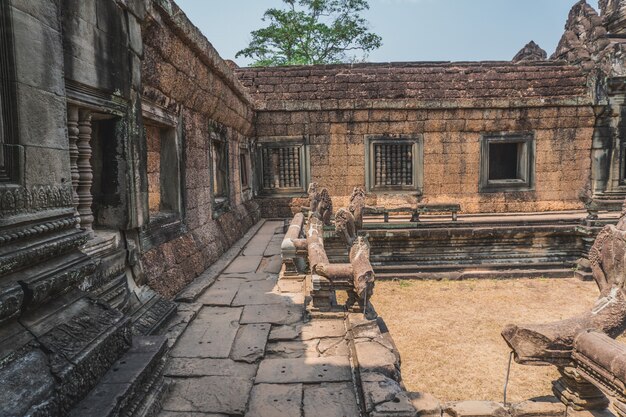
[(219, 170), (282, 166), (394, 163)]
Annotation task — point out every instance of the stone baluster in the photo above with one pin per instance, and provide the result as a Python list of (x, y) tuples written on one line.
[(292, 173), (378, 165), (84, 170), (72, 133), (276, 168), (296, 163), (407, 163)]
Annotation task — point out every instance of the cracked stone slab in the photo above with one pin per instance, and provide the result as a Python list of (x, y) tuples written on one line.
[(194, 367), (243, 264), (177, 324), (210, 335), (273, 248), (285, 332), (374, 357), (209, 394), (330, 400), (271, 400), (252, 276), (271, 264), (257, 245), (292, 349), (333, 346), (304, 370), (377, 389), (317, 329), (285, 313), (258, 292), (429, 406), (222, 292), (249, 345), (400, 406)]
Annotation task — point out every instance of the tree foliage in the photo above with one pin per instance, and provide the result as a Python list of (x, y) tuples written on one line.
[(312, 32)]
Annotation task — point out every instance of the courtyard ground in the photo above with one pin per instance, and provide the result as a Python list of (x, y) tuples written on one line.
[(448, 332)]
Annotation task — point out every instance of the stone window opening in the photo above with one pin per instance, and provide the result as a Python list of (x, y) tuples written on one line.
[(163, 171), (218, 157), (282, 166), (244, 168), (394, 163), (105, 159), (507, 162)]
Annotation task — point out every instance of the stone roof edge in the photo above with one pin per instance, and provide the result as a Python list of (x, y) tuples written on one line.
[(176, 18), (413, 64), (418, 104)]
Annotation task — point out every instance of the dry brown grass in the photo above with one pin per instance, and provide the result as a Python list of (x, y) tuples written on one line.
[(448, 332)]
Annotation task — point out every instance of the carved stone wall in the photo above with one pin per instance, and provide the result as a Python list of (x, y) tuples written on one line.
[(183, 73)]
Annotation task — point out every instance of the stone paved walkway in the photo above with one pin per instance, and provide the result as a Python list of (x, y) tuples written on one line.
[(246, 349)]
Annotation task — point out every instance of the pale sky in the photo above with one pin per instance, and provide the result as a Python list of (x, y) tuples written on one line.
[(412, 30)]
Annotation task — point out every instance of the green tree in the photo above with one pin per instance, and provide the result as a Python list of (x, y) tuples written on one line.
[(312, 32)]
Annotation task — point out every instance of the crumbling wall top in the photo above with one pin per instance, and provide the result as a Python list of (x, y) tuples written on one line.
[(436, 82)]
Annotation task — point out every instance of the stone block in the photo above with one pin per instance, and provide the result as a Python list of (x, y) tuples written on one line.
[(196, 367), (249, 345), (475, 409), (425, 404), (374, 357), (244, 264), (317, 329), (284, 313), (538, 407), (258, 292), (284, 332), (304, 370), (38, 54), (210, 335), (330, 400), (292, 349), (42, 120), (400, 406), (229, 395), (270, 400), (378, 389), (221, 293), (34, 385)]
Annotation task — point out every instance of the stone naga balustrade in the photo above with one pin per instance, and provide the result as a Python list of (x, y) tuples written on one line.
[(554, 343), (356, 277)]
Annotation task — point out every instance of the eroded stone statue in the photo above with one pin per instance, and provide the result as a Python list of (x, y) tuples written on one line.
[(345, 226), (552, 343), (357, 206), (320, 203)]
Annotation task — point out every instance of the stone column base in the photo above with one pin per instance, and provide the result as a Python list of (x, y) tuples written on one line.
[(575, 392)]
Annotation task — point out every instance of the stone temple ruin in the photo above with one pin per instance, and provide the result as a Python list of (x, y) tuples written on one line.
[(183, 237)]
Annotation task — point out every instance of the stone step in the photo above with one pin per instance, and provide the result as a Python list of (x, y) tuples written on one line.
[(504, 270), (133, 385)]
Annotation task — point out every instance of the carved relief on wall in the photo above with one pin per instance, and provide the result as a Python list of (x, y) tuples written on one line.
[(25, 200)]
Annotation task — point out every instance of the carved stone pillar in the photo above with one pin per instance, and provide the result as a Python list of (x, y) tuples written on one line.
[(84, 170), (576, 392), (72, 132)]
